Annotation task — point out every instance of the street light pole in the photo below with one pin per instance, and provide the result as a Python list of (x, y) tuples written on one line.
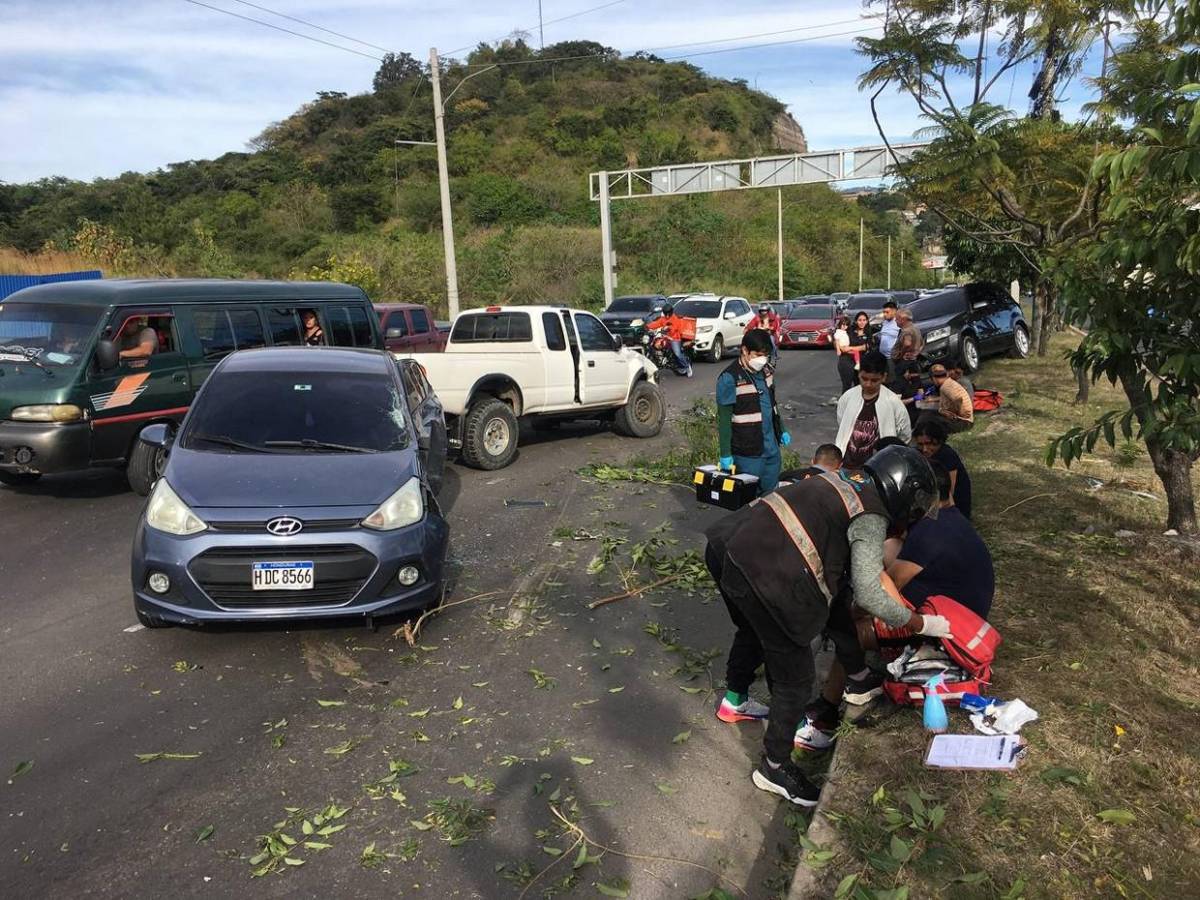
[(860, 253), (889, 280), (779, 240), (444, 184)]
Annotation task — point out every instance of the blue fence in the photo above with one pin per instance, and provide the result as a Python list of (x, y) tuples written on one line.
[(11, 283)]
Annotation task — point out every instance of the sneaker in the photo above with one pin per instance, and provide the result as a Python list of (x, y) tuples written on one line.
[(690, 373), (749, 711), (787, 782), (810, 736), (860, 691)]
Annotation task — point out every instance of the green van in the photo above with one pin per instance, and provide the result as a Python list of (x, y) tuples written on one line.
[(86, 365)]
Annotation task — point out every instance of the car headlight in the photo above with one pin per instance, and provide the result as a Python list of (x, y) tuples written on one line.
[(48, 412), (938, 334), (405, 507), (645, 339), (702, 329), (636, 323), (166, 512)]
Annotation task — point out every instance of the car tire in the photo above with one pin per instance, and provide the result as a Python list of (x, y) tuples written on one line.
[(489, 435), (1020, 344), (18, 479), (146, 464), (968, 354), (643, 415), (717, 351), (148, 621)]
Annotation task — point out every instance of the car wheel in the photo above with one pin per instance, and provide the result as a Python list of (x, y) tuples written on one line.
[(644, 414), (146, 465), (717, 350), (489, 435), (18, 479), (968, 352), (149, 621), (1020, 344)]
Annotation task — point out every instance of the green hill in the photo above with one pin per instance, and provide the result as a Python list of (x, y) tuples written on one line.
[(328, 182)]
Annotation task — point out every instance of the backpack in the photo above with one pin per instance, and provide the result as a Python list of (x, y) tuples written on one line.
[(987, 401), (973, 649)]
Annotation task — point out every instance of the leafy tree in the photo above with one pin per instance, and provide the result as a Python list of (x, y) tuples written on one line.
[(394, 70), (1135, 286)]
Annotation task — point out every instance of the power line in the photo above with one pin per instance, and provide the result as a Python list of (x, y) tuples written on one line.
[(307, 37), (574, 15), (816, 37), (746, 37), (345, 37)]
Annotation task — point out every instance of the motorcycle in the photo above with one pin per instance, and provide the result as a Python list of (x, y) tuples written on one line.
[(657, 347)]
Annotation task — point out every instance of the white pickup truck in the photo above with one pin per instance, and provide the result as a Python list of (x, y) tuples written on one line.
[(550, 363)]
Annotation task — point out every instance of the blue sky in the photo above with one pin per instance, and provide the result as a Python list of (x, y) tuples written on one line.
[(94, 88)]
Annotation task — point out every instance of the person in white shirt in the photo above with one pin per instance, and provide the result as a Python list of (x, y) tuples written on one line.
[(869, 412)]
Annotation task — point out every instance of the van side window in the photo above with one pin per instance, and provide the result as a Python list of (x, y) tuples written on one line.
[(555, 339), (420, 320), (284, 326), (339, 326), (142, 335), (221, 331), (247, 328), (360, 325)]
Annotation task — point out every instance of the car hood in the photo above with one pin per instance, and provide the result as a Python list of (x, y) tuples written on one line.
[(286, 480)]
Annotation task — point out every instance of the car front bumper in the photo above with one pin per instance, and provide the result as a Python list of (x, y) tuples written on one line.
[(45, 447), (355, 570)]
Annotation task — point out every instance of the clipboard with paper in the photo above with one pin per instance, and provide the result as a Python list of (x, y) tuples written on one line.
[(975, 752)]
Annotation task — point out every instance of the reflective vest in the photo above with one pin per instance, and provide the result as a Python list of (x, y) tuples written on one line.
[(747, 434)]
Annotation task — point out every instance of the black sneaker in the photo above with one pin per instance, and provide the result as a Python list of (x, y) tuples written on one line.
[(787, 782), (861, 691)]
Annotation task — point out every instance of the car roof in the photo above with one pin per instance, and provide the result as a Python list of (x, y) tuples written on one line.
[(393, 307), (343, 360), (154, 291)]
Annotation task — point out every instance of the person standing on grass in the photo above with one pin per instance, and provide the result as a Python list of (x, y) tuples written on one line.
[(781, 562), (845, 358), (955, 410), (749, 429), (868, 412), (907, 349), (930, 438)]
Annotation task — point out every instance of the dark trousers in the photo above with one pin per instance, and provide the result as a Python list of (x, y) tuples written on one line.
[(952, 426), (746, 653), (845, 367), (840, 629), (790, 664)]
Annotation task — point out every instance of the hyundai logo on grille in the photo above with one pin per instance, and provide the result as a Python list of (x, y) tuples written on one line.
[(285, 526)]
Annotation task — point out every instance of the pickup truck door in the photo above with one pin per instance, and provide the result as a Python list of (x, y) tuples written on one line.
[(562, 373), (604, 371)]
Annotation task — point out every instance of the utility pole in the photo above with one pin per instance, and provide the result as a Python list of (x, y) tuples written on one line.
[(860, 253), (779, 240), (889, 280), (541, 29), (606, 250), (444, 184)]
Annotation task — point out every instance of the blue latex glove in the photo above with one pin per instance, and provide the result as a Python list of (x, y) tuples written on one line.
[(785, 439), (725, 464)]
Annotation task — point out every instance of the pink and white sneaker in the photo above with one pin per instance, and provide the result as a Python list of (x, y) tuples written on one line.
[(749, 711), (810, 737)]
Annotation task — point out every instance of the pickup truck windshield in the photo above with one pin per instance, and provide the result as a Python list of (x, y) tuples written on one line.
[(699, 309), (297, 412), (54, 334)]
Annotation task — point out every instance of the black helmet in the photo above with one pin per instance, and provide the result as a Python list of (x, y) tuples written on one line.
[(668, 309), (905, 481)]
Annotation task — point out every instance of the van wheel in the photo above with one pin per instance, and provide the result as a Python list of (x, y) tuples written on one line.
[(489, 435), (18, 479), (717, 350), (146, 464), (643, 415)]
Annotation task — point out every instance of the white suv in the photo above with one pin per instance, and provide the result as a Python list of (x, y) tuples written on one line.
[(720, 322)]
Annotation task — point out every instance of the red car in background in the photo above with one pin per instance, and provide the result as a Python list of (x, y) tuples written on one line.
[(409, 328), (809, 325)]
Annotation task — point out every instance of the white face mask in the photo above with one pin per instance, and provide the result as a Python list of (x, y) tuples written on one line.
[(758, 363)]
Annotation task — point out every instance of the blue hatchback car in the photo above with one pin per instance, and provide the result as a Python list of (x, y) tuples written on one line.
[(301, 484)]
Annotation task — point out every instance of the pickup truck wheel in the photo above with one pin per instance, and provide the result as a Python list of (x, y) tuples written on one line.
[(717, 350), (146, 464), (643, 415), (489, 435), (17, 479)]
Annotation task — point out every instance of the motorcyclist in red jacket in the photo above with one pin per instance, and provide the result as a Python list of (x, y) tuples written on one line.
[(768, 320)]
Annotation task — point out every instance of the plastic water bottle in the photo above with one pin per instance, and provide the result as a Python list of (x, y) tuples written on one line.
[(936, 721)]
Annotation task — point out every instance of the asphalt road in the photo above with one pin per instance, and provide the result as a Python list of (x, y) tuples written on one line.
[(85, 690)]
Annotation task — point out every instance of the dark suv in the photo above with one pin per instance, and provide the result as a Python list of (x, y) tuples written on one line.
[(965, 324), (625, 311)]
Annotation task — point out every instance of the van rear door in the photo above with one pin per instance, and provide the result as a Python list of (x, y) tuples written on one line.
[(154, 387)]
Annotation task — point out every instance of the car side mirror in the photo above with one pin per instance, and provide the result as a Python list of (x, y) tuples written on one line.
[(394, 333), (980, 305), (107, 356), (160, 435), (617, 343), (731, 315)]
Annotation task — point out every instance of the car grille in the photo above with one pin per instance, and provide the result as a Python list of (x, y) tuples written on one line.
[(340, 572), (260, 527)]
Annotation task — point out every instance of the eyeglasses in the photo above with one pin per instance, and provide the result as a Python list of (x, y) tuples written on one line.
[(938, 375)]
